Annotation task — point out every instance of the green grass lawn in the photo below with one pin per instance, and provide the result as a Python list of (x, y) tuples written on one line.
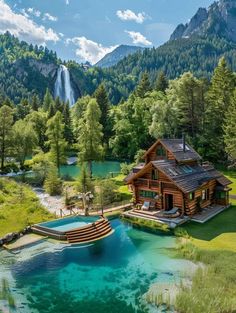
[(19, 207), (219, 232)]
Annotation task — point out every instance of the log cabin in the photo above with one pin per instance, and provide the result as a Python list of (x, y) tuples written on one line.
[(174, 176)]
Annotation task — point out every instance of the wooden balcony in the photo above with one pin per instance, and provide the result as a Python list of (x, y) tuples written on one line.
[(149, 183)]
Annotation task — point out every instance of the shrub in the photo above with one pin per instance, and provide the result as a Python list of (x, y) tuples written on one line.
[(53, 184), (125, 168)]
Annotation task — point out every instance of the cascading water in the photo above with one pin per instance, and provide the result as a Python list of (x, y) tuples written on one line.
[(63, 88)]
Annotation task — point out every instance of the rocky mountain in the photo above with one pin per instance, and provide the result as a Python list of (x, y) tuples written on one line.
[(219, 19), (116, 55)]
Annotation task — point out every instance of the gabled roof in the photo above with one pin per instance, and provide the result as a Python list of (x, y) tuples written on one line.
[(187, 178), (175, 146)]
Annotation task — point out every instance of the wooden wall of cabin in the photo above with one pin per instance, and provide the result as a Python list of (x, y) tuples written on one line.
[(152, 156), (192, 206), (165, 187), (171, 189)]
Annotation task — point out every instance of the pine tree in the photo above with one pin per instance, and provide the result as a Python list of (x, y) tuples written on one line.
[(68, 132), (144, 86), (90, 135), (51, 111), (35, 103), (58, 105), (218, 102), (6, 121), (53, 183), (22, 109), (103, 102), (56, 140), (230, 130), (162, 82), (47, 100), (84, 182), (186, 96)]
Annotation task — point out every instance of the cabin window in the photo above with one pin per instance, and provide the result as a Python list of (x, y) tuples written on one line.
[(205, 194), (191, 196), (161, 152), (154, 175), (221, 195), (147, 194)]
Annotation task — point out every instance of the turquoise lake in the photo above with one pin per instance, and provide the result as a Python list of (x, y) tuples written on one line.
[(110, 275), (100, 169)]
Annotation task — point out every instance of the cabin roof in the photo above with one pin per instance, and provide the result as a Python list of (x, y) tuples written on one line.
[(187, 178), (175, 146)]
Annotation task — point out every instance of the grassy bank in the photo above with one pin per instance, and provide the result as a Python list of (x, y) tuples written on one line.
[(19, 207), (149, 225), (213, 288)]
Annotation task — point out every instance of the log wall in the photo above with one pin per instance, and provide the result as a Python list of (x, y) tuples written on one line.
[(192, 205)]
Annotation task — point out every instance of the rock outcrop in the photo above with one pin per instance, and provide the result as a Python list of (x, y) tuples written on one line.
[(219, 19)]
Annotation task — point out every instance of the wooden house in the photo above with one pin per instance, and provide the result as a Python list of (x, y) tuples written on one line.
[(173, 176)]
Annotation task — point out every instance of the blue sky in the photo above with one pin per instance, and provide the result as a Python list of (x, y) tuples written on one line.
[(87, 29)]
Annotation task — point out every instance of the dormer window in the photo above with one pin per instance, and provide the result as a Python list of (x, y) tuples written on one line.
[(154, 174), (161, 152)]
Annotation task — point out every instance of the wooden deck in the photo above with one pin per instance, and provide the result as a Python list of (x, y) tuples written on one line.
[(150, 215), (208, 213)]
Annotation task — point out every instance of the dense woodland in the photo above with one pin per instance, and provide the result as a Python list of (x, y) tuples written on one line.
[(26, 69), (94, 129)]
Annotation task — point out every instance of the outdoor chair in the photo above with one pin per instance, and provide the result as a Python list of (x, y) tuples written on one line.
[(145, 206)]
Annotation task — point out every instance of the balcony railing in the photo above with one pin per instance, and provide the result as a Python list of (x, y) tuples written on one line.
[(147, 183)]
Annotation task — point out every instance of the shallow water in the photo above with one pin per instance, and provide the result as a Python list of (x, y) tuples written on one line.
[(69, 223), (108, 276), (100, 169)]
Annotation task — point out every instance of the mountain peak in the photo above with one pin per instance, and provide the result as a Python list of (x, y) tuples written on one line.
[(117, 54), (219, 19)]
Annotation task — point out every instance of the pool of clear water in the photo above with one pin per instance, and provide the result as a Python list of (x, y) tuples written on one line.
[(110, 275), (100, 169), (69, 223)]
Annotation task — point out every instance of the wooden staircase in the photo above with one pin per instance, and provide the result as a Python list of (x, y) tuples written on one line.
[(89, 232)]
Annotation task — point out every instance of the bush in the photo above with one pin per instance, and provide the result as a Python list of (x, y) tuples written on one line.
[(10, 167), (105, 192), (53, 184), (125, 168)]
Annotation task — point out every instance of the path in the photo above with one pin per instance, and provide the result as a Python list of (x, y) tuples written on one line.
[(55, 205)]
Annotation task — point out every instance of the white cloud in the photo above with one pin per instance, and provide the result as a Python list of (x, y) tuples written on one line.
[(138, 38), (128, 15), (34, 12), (89, 50), (49, 17), (23, 11), (67, 2), (23, 27), (45, 17)]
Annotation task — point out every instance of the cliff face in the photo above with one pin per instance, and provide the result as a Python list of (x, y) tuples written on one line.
[(219, 19)]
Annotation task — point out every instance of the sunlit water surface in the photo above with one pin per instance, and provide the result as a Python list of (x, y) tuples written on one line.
[(108, 276)]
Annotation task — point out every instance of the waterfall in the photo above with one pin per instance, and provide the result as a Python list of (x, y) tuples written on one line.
[(63, 88)]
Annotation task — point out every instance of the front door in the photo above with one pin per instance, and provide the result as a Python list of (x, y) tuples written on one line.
[(168, 202)]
